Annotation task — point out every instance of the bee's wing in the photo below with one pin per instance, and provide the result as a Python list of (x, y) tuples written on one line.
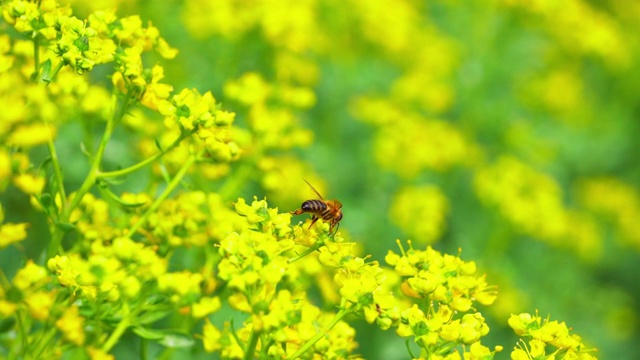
[(314, 189)]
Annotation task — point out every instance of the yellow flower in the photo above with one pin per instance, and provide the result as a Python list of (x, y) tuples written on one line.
[(163, 49), (30, 275), (7, 309), (473, 328), (31, 135), (521, 323), (519, 354), (11, 233), (6, 61), (479, 351), (239, 302), (182, 283), (337, 252), (402, 132), (97, 354), (155, 92), (205, 306), (615, 200), (131, 286), (77, 44), (62, 267), (29, 183), (126, 249), (96, 100), (39, 304), (249, 89), (5, 168), (132, 33), (211, 337), (425, 282), (71, 324)]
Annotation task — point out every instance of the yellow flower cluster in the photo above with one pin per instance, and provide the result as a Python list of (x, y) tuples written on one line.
[(581, 27), (76, 44), (71, 324), (191, 219), (110, 271), (421, 212), (11, 232), (547, 339), (437, 330), (253, 265), (271, 119), (617, 201), (433, 144), (289, 25), (28, 293), (449, 287), (121, 278), (442, 278), (533, 202), (92, 218), (560, 92), (191, 112)]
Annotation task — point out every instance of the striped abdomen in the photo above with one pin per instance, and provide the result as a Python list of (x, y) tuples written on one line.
[(317, 207)]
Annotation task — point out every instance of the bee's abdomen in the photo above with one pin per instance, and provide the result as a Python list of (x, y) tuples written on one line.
[(314, 206)]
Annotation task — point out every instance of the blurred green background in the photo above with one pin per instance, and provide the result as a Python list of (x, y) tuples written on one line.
[(507, 129)]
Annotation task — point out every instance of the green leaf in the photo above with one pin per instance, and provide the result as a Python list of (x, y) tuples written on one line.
[(45, 163), (105, 188), (146, 333), (168, 338), (177, 339), (66, 227), (153, 316), (85, 151), (7, 324), (45, 200), (114, 180), (45, 71), (158, 145)]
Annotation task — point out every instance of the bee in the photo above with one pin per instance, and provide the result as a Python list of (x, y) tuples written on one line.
[(327, 210)]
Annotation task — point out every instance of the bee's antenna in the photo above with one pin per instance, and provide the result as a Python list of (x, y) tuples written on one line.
[(314, 189)]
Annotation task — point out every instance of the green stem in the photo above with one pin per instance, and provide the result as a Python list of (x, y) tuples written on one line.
[(90, 180), (167, 191), (341, 314), (123, 325), (23, 344), (313, 248), (56, 169), (144, 349), (145, 162), (45, 341), (253, 343), (36, 58), (55, 71)]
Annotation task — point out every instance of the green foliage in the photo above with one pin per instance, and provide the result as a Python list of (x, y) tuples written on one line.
[(504, 128)]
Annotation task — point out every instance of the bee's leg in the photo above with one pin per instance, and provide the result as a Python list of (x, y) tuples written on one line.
[(297, 212), (313, 221), (337, 226)]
